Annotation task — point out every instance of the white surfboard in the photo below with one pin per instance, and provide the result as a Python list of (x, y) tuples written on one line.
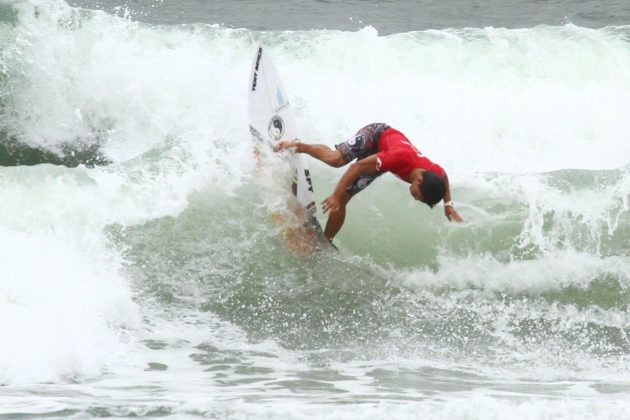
[(271, 120)]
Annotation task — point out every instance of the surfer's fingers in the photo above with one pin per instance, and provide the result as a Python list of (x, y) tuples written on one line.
[(287, 144), (457, 217), (281, 145), (327, 205)]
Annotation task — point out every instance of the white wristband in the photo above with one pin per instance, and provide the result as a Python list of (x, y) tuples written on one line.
[(449, 204)]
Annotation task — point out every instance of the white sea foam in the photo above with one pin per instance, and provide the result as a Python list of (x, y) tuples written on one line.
[(64, 308), (471, 407), (561, 270)]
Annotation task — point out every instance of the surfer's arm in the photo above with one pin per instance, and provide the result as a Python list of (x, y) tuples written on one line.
[(449, 211), (318, 151), (365, 166)]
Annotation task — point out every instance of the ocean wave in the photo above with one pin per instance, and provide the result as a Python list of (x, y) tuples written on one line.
[(530, 124)]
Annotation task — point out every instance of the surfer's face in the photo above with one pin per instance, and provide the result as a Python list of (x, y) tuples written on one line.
[(414, 189), (416, 193)]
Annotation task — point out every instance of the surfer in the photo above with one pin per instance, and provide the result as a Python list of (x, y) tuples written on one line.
[(377, 148)]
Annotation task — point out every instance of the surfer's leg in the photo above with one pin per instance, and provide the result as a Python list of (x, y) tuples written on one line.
[(336, 218)]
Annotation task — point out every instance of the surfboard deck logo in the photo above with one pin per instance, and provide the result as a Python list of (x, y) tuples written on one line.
[(276, 127)]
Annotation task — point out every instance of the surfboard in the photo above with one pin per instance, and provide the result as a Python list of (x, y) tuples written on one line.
[(271, 120)]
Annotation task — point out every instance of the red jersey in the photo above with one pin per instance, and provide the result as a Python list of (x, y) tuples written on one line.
[(397, 155)]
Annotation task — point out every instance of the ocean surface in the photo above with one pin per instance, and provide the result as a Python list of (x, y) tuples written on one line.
[(141, 274)]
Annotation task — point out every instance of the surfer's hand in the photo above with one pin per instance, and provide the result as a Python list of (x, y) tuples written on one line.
[(451, 214), (331, 204), (283, 145)]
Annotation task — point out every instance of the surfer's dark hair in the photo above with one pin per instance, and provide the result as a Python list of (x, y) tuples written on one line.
[(432, 188)]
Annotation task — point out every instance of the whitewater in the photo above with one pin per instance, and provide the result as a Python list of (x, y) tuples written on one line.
[(141, 273)]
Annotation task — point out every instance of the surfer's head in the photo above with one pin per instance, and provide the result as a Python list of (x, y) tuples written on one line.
[(432, 188), (428, 188)]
